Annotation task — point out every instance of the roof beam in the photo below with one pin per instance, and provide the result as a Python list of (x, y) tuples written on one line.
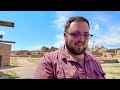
[(6, 41), (5, 23)]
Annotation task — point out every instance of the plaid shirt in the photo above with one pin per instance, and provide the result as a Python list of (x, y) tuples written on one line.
[(60, 65)]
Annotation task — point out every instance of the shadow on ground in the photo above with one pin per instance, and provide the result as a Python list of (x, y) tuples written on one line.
[(7, 67)]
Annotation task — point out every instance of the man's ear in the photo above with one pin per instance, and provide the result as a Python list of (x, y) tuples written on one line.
[(64, 36)]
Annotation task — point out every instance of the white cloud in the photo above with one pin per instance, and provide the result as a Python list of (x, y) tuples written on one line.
[(60, 40), (2, 32), (61, 18), (60, 36), (58, 23), (111, 37), (96, 27), (119, 29), (101, 18), (106, 33), (58, 44), (112, 40)]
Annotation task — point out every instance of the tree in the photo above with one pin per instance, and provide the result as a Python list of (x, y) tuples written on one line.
[(53, 49), (44, 49)]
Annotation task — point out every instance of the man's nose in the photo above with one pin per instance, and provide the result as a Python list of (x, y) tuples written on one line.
[(81, 38)]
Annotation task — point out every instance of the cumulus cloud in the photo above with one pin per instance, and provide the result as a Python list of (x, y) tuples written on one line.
[(60, 36), (58, 23), (59, 43), (60, 40), (111, 37), (105, 32), (61, 17), (96, 27), (101, 18), (2, 32)]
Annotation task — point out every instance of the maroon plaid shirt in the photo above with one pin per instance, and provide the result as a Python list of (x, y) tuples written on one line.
[(60, 65)]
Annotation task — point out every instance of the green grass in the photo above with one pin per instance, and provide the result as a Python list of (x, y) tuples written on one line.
[(112, 71), (115, 66), (9, 74), (13, 61), (34, 60), (114, 77)]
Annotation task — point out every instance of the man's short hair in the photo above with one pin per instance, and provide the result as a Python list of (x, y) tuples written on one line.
[(75, 19)]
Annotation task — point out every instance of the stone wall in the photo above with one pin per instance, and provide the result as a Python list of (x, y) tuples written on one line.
[(5, 51)]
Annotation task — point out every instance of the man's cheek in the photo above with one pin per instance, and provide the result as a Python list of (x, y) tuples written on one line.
[(85, 43), (71, 42)]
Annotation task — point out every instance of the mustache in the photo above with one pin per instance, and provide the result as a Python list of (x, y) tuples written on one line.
[(83, 43)]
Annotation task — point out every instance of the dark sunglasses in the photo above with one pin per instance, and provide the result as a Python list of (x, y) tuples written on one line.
[(77, 35)]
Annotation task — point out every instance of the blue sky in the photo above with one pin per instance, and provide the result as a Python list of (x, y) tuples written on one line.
[(34, 29)]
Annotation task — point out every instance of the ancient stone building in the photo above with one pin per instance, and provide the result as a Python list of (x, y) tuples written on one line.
[(5, 51)]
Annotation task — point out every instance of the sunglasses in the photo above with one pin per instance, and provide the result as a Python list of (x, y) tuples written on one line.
[(77, 35)]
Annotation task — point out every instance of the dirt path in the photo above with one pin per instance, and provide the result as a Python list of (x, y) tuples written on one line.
[(26, 69)]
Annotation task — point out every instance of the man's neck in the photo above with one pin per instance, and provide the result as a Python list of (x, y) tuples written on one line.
[(78, 58)]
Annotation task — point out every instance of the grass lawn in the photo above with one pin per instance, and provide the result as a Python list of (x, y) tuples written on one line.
[(8, 74), (112, 71), (13, 61), (34, 60)]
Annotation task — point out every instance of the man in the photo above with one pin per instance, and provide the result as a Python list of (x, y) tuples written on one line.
[(71, 61)]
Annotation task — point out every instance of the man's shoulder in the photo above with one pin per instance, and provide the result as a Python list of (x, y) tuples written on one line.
[(91, 56), (53, 53), (51, 57), (94, 60)]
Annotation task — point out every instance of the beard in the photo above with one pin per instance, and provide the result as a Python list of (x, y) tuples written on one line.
[(73, 51)]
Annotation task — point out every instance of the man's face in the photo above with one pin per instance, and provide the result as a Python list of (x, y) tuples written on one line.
[(77, 45)]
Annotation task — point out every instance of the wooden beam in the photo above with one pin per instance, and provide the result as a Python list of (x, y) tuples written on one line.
[(6, 41), (5, 23)]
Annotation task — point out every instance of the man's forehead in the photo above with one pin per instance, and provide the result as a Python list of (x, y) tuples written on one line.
[(79, 27), (82, 23), (79, 30)]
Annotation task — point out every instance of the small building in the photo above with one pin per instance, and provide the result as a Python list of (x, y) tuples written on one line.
[(5, 51)]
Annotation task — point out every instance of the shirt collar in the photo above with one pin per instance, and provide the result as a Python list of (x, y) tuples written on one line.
[(68, 57)]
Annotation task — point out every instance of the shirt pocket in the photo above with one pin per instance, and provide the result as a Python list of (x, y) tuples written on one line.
[(67, 74), (61, 75), (99, 74)]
